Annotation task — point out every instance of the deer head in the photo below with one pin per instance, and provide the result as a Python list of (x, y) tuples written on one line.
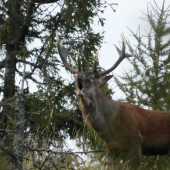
[(88, 82)]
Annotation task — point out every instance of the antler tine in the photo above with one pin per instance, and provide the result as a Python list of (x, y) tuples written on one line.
[(63, 54), (94, 70), (79, 64), (122, 55)]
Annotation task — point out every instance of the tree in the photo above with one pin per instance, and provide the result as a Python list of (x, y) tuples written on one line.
[(147, 84), (23, 23), (27, 37)]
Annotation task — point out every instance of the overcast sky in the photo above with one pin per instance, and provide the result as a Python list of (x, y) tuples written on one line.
[(128, 14)]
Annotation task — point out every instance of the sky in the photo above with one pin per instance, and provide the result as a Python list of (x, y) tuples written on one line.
[(128, 15)]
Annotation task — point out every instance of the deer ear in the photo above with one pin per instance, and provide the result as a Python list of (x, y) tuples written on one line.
[(103, 80)]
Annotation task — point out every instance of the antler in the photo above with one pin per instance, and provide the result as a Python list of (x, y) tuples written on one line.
[(122, 55), (94, 70), (63, 54)]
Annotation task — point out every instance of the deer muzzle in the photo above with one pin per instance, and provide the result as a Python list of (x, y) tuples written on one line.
[(80, 86)]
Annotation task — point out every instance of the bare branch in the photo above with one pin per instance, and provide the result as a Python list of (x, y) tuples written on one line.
[(28, 76), (64, 153), (34, 113), (45, 1), (11, 131), (6, 103), (23, 78), (27, 62)]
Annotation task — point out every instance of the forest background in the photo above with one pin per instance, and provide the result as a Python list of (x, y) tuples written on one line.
[(39, 109)]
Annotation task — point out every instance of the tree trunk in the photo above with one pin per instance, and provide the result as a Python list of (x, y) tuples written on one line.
[(10, 68), (9, 86), (18, 137), (9, 83)]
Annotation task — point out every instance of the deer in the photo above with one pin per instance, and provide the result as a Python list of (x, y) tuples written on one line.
[(122, 127)]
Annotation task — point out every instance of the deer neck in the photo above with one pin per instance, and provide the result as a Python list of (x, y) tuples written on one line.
[(94, 109)]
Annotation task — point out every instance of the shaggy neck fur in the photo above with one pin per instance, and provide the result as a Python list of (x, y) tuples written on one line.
[(96, 110)]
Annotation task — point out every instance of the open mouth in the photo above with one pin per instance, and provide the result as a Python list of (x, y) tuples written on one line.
[(80, 88), (80, 85)]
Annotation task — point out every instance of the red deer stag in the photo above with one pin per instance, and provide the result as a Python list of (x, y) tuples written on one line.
[(123, 127)]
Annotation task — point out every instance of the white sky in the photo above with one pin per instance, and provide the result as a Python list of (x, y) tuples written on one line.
[(128, 14)]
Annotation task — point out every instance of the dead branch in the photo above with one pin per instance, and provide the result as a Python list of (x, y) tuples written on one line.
[(64, 153)]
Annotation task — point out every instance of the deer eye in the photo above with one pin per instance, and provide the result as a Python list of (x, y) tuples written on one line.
[(92, 79)]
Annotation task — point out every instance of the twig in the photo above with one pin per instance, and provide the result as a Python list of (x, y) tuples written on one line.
[(6, 130), (65, 153), (34, 113), (23, 78)]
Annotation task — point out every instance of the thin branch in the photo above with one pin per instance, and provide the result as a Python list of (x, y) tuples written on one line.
[(23, 78), (65, 153), (27, 62), (34, 113), (29, 77), (42, 49), (45, 1), (7, 130), (6, 102)]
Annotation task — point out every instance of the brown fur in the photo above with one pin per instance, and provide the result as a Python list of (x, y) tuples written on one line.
[(123, 127)]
